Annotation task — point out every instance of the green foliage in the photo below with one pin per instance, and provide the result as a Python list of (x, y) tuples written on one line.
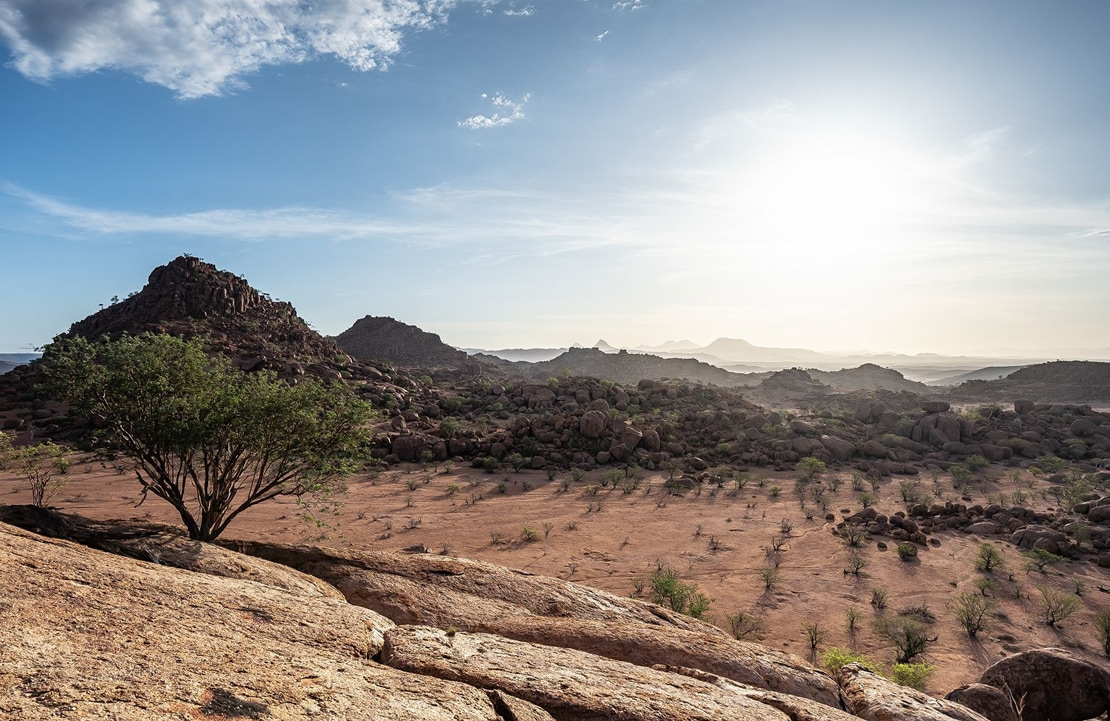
[(909, 635), (913, 675), (879, 598), (770, 576), (453, 488), (1102, 628), (835, 658), (211, 440), (814, 635), (907, 551), (989, 558), (529, 534), (450, 426), (668, 591), (868, 499), (976, 462), (41, 465), (774, 491), (971, 611), (811, 467), (960, 473), (576, 474), (1057, 606), (1050, 464), (516, 460), (490, 464), (1036, 559), (854, 535), (6, 446)]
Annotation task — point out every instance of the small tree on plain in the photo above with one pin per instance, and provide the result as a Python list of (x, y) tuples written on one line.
[(209, 439), (910, 637), (44, 466)]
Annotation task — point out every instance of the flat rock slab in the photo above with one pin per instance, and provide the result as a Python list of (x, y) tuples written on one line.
[(442, 591), (872, 697), (748, 663), (90, 635), (568, 684)]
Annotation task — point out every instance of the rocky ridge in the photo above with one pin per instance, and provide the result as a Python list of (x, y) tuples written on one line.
[(375, 339), (100, 635)]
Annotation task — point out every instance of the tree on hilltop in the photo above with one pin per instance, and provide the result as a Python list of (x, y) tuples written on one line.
[(207, 438)]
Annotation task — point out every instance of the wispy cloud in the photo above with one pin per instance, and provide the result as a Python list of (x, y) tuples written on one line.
[(601, 37), (526, 11), (628, 5), (205, 47), (506, 112)]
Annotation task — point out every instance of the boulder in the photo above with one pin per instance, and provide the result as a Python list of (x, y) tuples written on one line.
[(986, 700), (592, 424), (650, 440), (935, 406), (875, 698), (1056, 684), (983, 528), (838, 448), (1023, 406), (802, 428), (874, 449), (567, 684)]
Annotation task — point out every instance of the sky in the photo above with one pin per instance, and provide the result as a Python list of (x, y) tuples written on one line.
[(827, 174)]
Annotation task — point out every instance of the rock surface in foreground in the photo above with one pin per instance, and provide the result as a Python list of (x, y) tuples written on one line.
[(89, 635)]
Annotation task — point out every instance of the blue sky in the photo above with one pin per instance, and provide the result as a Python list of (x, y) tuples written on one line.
[(834, 175)]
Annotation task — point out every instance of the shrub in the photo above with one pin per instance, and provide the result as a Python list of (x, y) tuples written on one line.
[(913, 675), (855, 536), (989, 558), (686, 598), (1036, 559), (868, 499), (774, 491), (976, 462), (1102, 627), (453, 488), (909, 636), (961, 474), (971, 611), (490, 464), (529, 534), (811, 467), (770, 576), (856, 563), (834, 659), (5, 449), (39, 464), (744, 625), (879, 597), (1056, 606), (851, 617), (576, 474), (814, 635), (907, 551), (986, 585)]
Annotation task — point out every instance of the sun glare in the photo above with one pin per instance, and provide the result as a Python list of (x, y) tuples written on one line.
[(829, 189)]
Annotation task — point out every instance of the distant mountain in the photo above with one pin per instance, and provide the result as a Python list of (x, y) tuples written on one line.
[(668, 347), (626, 367), (193, 299), (530, 355), (385, 339), (19, 358), (604, 347), (991, 373)]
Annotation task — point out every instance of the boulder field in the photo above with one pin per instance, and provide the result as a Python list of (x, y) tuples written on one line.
[(139, 623)]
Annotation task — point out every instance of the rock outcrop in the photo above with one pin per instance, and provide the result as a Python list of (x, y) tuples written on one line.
[(872, 697), (1053, 683)]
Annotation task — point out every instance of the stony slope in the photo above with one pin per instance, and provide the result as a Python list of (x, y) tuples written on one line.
[(1055, 382), (625, 367)]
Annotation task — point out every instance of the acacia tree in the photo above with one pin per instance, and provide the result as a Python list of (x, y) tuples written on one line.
[(207, 438)]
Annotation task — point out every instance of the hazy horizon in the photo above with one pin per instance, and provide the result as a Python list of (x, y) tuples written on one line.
[(911, 178)]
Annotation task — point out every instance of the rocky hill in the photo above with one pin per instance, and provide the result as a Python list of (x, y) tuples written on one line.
[(373, 339), (193, 299), (867, 377), (625, 367), (162, 627), (1055, 382)]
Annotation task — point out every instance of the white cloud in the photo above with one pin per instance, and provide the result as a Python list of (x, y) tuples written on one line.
[(629, 5), (601, 37), (506, 112), (205, 47), (526, 11)]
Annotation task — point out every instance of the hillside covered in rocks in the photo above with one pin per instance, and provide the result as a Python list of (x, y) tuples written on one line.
[(156, 626)]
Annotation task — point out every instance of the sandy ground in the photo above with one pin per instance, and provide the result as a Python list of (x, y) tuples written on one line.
[(716, 540)]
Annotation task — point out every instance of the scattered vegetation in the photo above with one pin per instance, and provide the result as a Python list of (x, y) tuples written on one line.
[(668, 591), (45, 467)]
